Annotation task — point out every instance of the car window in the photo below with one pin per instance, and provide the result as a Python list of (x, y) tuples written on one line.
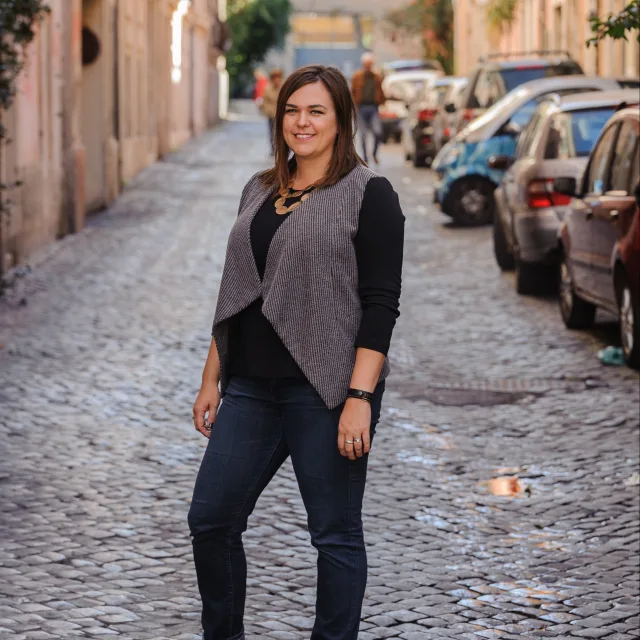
[(573, 134), (596, 178), (623, 156), (526, 142), (514, 77), (487, 92), (523, 115)]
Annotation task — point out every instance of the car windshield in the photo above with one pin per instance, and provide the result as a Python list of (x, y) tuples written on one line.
[(498, 111), (514, 77), (586, 126)]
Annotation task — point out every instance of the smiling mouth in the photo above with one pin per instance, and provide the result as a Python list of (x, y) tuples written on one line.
[(303, 136)]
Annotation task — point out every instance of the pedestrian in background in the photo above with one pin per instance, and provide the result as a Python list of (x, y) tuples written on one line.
[(259, 87), (366, 89), (270, 101), (308, 300)]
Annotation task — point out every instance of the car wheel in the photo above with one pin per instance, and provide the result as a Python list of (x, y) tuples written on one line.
[(407, 156), (384, 137), (471, 201), (530, 277), (576, 312), (629, 324), (418, 161), (500, 248)]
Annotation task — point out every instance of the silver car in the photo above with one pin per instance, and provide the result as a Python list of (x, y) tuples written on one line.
[(444, 126), (529, 213)]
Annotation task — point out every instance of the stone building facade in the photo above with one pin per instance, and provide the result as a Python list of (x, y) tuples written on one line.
[(544, 24), (108, 87)]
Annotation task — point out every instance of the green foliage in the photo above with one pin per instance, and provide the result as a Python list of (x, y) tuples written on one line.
[(256, 26), (616, 26), (17, 21), (433, 21), (501, 13)]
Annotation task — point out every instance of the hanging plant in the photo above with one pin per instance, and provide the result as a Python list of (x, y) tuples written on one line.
[(501, 13)]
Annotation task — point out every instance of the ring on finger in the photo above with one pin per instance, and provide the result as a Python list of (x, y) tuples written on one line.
[(349, 441), (358, 440)]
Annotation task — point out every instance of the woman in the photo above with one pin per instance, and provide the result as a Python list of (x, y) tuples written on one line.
[(308, 300), (270, 102)]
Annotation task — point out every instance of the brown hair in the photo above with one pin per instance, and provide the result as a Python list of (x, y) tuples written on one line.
[(345, 157)]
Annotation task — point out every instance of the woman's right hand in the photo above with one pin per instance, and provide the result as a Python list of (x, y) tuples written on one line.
[(205, 408)]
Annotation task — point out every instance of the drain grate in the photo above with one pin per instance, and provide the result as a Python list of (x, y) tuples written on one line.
[(464, 397), (460, 392)]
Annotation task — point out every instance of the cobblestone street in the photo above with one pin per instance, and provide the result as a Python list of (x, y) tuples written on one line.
[(102, 348)]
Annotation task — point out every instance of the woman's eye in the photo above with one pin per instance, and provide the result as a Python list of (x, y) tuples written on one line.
[(318, 113), (290, 111)]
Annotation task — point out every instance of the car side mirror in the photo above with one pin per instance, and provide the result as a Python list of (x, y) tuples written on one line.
[(565, 186), (500, 162), (450, 107)]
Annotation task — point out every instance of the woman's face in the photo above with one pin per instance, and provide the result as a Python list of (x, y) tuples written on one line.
[(310, 125)]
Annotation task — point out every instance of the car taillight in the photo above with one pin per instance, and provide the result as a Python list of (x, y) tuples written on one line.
[(447, 132), (467, 115), (426, 114), (540, 194), (386, 114)]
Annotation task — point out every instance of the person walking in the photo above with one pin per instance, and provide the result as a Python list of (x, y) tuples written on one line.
[(366, 88), (261, 81), (308, 301), (270, 101)]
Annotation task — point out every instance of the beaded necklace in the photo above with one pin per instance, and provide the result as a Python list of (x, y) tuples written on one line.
[(288, 194)]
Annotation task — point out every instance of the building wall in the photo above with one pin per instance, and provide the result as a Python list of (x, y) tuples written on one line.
[(33, 154), (80, 132), (544, 24)]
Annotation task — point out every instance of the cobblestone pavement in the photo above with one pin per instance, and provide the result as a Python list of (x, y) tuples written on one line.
[(99, 368)]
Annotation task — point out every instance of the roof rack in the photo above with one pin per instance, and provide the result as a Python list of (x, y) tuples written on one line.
[(522, 54)]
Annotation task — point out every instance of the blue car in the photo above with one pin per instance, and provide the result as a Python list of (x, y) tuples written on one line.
[(472, 164)]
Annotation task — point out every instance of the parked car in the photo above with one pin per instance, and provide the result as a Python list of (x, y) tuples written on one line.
[(529, 213), (444, 125), (418, 131), (400, 89), (496, 75), (600, 236), (396, 66), (466, 182)]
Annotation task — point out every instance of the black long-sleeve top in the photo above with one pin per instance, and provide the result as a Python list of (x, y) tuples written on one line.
[(255, 348)]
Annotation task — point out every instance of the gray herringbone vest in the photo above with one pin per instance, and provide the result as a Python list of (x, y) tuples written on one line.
[(310, 285)]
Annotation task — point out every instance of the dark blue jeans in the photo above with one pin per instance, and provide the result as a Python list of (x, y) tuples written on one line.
[(258, 425), (369, 121)]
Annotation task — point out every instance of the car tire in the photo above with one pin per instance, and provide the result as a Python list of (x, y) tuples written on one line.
[(504, 257), (471, 201), (384, 138), (397, 137), (419, 161), (629, 310), (530, 278), (576, 312)]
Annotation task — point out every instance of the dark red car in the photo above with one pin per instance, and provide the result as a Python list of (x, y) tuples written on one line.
[(600, 236)]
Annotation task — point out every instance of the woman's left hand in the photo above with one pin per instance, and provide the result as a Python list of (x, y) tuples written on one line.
[(354, 429)]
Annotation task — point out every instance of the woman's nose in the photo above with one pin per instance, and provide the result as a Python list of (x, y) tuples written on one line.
[(303, 120)]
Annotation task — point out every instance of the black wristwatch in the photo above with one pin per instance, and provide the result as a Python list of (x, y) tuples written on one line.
[(360, 395)]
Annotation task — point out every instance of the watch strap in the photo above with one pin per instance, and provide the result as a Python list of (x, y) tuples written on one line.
[(367, 396)]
